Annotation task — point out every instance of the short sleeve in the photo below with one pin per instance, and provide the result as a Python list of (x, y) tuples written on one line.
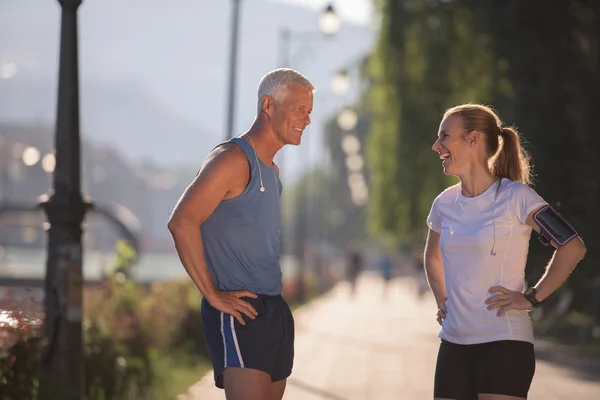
[(433, 219), (524, 201)]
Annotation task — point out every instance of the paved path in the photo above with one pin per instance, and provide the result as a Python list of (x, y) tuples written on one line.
[(375, 348)]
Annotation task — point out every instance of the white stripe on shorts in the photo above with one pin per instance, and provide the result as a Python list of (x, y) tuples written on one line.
[(237, 346), (224, 342)]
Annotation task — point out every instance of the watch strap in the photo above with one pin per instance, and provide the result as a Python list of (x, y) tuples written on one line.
[(530, 296)]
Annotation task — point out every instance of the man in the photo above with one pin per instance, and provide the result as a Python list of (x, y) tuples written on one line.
[(226, 230)]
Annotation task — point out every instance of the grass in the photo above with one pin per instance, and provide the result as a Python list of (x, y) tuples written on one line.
[(575, 330), (176, 372)]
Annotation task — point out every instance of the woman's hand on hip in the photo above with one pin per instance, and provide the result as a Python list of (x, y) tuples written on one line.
[(505, 299), (441, 313)]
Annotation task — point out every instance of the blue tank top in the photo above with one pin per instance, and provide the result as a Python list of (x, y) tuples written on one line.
[(241, 237)]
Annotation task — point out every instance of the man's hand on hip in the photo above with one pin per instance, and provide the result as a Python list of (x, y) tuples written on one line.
[(232, 304)]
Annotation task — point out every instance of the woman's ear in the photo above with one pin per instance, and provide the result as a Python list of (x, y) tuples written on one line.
[(473, 138)]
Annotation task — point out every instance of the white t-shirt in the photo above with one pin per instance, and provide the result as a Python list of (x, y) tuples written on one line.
[(466, 225)]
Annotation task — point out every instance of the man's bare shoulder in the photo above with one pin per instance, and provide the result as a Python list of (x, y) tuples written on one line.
[(226, 157), (227, 151)]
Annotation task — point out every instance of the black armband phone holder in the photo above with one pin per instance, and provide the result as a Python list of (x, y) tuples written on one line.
[(553, 227)]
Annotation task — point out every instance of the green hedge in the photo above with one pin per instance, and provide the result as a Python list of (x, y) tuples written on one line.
[(125, 327)]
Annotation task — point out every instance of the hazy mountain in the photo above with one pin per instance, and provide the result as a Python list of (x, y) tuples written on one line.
[(123, 115), (154, 73)]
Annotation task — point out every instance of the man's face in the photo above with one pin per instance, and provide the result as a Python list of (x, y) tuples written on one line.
[(292, 114)]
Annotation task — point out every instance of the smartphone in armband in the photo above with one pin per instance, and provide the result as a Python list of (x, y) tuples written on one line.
[(553, 227)]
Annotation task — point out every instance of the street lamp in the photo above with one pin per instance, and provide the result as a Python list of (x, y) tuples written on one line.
[(359, 191), (31, 155), (329, 21), (350, 144), (354, 163), (329, 25), (347, 119), (48, 163), (235, 22), (340, 82), (61, 374)]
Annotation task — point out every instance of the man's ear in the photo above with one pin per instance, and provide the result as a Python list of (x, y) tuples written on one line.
[(267, 105)]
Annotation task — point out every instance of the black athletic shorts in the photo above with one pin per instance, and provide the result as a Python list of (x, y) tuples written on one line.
[(265, 343), (503, 367)]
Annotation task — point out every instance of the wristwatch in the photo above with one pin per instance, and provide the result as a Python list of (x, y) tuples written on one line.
[(530, 296)]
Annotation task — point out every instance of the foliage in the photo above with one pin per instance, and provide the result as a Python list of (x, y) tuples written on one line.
[(20, 346), (537, 65), (130, 332), (427, 59)]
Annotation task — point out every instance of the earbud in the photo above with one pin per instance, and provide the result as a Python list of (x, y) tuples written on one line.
[(267, 114), (262, 189)]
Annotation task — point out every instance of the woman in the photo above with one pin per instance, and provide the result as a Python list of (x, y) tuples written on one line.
[(475, 257)]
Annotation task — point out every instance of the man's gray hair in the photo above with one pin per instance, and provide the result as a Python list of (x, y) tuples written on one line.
[(276, 82)]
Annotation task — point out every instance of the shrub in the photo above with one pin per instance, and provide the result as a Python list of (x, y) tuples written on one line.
[(125, 326)]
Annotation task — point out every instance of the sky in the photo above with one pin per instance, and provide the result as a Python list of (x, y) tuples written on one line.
[(159, 70), (357, 11)]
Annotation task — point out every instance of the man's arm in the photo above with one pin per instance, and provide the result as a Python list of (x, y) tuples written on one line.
[(223, 174)]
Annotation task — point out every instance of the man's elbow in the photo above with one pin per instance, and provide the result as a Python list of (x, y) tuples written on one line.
[(173, 225), (177, 224)]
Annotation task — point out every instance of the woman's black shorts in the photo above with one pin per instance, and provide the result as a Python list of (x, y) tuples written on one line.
[(502, 367)]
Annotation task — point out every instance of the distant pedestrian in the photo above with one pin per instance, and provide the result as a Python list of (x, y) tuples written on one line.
[(354, 265)]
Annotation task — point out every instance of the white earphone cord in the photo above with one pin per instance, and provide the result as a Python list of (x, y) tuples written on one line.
[(451, 230), (262, 188), (494, 216)]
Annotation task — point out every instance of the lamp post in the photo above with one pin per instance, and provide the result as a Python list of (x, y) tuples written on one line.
[(329, 25), (340, 82), (233, 49), (329, 21), (61, 373), (4, 170), (347, 119)]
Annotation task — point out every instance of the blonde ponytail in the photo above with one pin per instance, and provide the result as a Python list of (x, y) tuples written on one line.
[(512, 161)]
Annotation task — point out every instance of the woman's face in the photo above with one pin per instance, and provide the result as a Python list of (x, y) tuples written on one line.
[(453, 147)]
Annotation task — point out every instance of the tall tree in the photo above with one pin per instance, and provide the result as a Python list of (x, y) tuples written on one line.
[(535, 62), (552, 53), (428, 58)]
